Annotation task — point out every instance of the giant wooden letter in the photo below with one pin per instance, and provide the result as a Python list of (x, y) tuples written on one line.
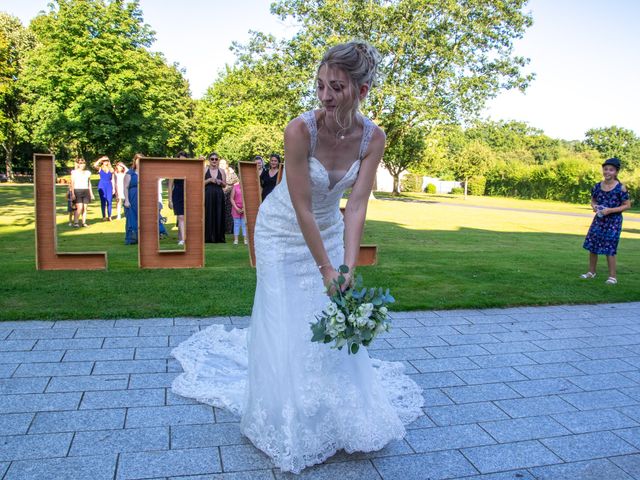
[(47, 256), (250, 183), (150, 170)]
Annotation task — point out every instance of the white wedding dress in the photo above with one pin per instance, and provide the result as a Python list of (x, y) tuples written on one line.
[(299, 401)]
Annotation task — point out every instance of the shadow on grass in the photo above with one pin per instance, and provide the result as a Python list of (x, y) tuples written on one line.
[(425, 269)]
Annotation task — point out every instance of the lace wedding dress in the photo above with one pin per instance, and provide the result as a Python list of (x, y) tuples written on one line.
[(299, 401)]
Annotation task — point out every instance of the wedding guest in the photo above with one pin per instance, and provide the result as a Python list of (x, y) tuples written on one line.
[(131, 202), (81, 192), (176, 201), (121, 170), (71, 204), (162, 231), (259, 161), (237, 213), (106, 186), (269, 176), (232, 178), (214, 205), (609, 199)]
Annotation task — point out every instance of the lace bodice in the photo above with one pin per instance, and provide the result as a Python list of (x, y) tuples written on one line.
[(325, 196)]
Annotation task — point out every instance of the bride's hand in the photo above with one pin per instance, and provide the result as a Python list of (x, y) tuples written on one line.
[(330, 276)]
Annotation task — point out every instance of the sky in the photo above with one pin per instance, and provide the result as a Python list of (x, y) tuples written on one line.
[(584, 54)]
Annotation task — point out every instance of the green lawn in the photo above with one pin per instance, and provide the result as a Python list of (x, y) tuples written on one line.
[(435, 251)]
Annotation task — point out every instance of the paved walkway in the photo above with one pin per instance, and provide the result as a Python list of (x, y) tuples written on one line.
[(523, 393)]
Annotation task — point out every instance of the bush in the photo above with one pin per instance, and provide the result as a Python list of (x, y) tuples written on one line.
[(568, 179), (632, 182), (457, 191), (430, 188), (410, 182), (477, 185)]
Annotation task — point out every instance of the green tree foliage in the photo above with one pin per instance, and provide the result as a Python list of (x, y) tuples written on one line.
[(474, 160), (442, 60), (615, 142), (513, 140), (251, 141), (93, 87), (15, 41), (248, 94)]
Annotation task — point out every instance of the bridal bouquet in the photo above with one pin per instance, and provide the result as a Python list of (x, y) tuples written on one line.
[(353, 317)]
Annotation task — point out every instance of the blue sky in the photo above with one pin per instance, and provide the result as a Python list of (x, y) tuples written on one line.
[(584, 53)]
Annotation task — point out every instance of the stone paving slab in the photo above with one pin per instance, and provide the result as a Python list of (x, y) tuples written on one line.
[(528, 393)]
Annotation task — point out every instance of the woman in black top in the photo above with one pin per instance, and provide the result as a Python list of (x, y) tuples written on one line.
[(269, 176), (215, 180)]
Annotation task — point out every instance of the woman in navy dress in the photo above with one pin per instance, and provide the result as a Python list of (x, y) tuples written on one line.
[(106, 186), (214, 204), (609, 199), (131, 202)]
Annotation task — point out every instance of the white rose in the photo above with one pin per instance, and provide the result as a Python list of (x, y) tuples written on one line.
[(340, 317), (383, 310), (361, 321), (341, 327), (351, 319), (331, 309), (371, 324)]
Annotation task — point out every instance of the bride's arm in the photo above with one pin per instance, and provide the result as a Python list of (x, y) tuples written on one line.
[(296, 151), (356, 210)]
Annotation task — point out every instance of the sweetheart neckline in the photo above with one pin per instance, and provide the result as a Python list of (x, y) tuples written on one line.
[(331, 188)]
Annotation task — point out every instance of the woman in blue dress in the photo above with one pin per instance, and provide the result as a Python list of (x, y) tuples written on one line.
[(106, 186), (609, 199), (131, 202)]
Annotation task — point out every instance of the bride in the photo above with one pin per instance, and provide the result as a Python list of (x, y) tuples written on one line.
[(300, 402)]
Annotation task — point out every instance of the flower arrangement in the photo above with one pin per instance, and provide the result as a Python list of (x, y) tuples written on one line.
[(353, 317)]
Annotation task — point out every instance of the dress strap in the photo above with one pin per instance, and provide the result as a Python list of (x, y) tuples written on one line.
[(366, 136), (310, 120)]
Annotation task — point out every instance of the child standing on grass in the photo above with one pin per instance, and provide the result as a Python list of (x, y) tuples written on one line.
[(609, 199), (237, 212)]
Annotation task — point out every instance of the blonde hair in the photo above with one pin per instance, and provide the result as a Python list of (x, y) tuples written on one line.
[(359, 60)]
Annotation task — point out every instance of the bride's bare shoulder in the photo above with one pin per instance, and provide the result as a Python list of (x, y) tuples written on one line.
[(378, 138), (297, 131)]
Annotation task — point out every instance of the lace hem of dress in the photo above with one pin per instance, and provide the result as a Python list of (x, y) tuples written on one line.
[(215, 368)]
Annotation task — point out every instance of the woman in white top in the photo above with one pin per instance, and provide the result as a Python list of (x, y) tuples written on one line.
[(121, 171), (81, 191)]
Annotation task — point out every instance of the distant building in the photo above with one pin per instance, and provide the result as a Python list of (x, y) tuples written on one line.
[(384, 182)]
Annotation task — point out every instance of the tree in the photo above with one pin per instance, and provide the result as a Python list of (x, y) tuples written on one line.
[(15, 41), (251, 141), (441, 60), (514, 139), (474, 159), (94, 88), (242, 96), (615, 142)]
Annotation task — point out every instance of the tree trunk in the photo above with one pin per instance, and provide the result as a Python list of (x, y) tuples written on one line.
[(396, 184), (466, 185), (8, 149)]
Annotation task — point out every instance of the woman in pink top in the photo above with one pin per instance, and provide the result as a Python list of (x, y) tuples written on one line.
[(237, 212)]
